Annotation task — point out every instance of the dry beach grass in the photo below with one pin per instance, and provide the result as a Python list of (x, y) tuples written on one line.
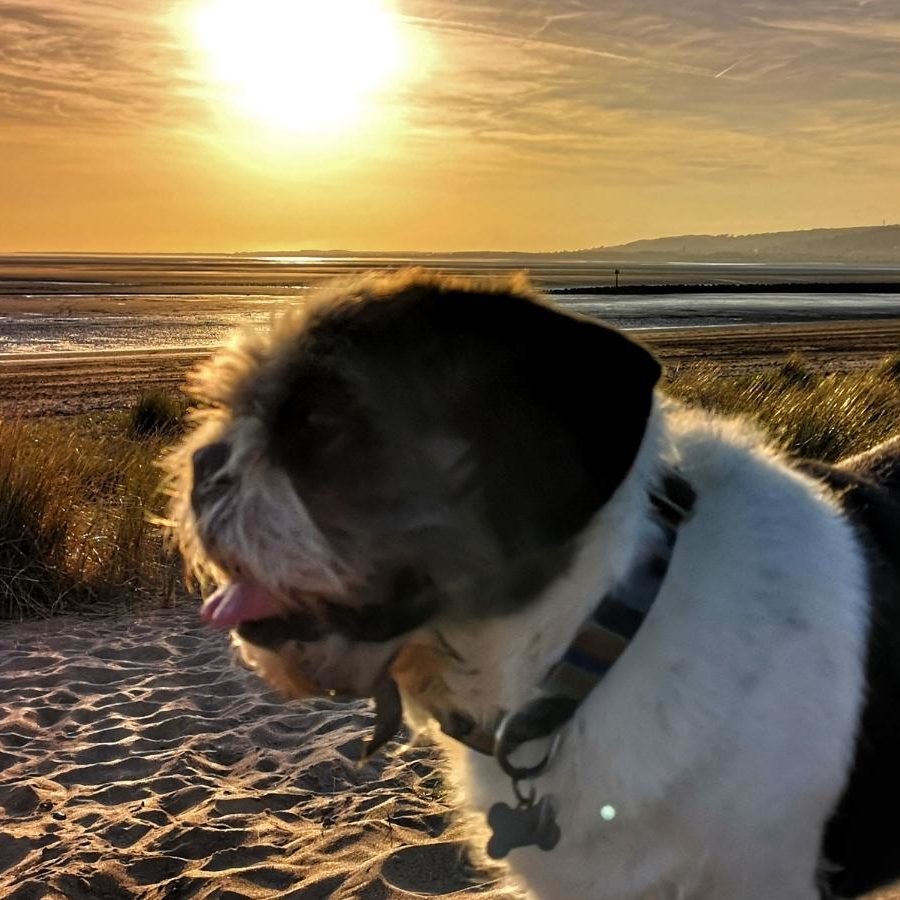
[(75, 491), (74, 527)]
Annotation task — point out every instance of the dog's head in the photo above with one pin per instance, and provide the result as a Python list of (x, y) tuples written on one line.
[(404, 451)]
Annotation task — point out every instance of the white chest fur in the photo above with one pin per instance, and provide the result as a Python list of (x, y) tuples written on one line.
[(723, 736)]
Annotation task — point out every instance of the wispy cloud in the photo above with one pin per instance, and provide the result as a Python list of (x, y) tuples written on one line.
[(572, 78), (517, 74), (542, 106), (77, 64)]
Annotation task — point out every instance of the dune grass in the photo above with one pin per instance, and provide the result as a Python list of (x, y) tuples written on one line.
[(74, 526), (157, 413), (76, 493), (807, 412)]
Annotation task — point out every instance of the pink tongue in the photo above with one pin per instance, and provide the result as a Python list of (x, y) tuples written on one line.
[(240, 602)]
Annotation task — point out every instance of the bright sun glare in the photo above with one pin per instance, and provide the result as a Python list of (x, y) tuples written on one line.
[(305, 67)]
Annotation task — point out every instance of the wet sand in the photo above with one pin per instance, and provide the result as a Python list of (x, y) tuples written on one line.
[(67, 383)]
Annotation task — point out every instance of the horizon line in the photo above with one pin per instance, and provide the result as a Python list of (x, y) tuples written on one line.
[(312, 251)]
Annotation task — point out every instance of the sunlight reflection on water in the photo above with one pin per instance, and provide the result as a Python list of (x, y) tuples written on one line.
[(117, 303), (31, 332)]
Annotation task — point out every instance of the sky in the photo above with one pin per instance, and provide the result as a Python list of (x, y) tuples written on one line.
[(509, 125)]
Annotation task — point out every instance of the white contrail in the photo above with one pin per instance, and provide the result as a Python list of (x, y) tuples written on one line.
[(727, 70)]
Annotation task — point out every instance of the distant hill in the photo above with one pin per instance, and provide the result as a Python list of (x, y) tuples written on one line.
[(872, 244), (858, 245)]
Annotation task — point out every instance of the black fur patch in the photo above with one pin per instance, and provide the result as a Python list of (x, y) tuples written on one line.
[(549, 408), (863, 839)]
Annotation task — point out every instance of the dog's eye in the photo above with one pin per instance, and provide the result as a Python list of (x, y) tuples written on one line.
[(319, 430)]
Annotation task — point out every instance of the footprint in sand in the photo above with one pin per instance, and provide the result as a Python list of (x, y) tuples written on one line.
[(432, 869)]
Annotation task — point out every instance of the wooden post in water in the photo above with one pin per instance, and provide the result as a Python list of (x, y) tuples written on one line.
[(617, 277)]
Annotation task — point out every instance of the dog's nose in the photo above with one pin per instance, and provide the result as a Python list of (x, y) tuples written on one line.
[(209, 460)]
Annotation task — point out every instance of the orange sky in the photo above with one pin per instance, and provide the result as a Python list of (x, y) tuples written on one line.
[(539, 125)]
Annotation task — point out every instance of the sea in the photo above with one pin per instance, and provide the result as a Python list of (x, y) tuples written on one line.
[(87, 303)]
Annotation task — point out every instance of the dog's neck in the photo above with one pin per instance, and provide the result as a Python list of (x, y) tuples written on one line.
[(498, 664)]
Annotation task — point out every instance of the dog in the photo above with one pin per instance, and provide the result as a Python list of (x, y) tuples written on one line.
[(663, 658)]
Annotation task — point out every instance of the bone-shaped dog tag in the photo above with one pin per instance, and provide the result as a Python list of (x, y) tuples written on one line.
[(527, 825)]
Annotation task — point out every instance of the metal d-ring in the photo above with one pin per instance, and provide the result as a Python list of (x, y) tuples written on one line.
[(502, 751)]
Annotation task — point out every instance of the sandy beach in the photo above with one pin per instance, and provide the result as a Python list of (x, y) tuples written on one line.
[(139, 761)]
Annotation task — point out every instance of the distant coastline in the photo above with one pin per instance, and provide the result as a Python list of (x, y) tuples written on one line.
[(873, 245), (789, 287)]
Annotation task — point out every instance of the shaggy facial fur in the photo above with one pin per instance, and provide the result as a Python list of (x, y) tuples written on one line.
[(432, 482), (380, 467)]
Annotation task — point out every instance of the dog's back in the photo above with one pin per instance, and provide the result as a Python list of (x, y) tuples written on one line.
[(880, 465), (861, 848)]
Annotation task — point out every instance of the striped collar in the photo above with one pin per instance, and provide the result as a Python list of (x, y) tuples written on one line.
[(600, 640)]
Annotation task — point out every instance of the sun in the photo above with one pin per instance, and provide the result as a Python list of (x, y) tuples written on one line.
[(303, 67)]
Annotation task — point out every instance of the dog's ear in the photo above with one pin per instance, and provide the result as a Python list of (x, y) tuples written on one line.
[(557, 424), (551, 407)]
